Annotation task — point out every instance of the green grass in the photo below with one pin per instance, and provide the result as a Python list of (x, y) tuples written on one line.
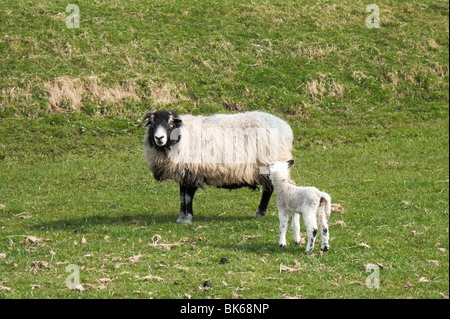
[(369, 110), (390, 185)]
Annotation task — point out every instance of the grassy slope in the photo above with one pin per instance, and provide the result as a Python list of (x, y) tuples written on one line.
[(390, 186), (234, 54), (369, 109)]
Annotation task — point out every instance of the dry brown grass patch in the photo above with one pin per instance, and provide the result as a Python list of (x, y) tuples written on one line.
[(167, 93), (322, 86), (113, 95), (65, 89), (314, 52), (65, 93), (62, 90)]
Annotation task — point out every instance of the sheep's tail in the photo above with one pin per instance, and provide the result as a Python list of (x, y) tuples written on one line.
[(324, 207)]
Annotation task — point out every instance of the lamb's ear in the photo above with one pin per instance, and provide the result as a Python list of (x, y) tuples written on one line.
[(149, 116), (290, 163)]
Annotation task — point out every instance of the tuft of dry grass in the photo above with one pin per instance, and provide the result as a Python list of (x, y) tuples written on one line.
[(358, 75), (64, 89), (14, 94), (233, 106), (167, 93), (114, 95), (314, 52), (323, 86)]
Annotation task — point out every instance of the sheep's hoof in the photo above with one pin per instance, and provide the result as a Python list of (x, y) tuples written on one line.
[(184, 221), (282, 245), (185, 218), (188, 219), (325, 248), (260, 214)]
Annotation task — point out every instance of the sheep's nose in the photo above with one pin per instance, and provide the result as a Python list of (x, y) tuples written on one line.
[(160, 140)]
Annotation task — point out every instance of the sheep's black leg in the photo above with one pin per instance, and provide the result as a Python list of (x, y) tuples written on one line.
[(186, 197), (262, 208), (182, 204), (186, 204), (189, 197)]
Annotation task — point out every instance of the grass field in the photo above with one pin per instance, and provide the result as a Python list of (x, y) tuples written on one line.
[(369, 111)]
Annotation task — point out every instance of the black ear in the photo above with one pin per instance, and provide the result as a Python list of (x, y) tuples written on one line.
[(177, 122), (290, 163)]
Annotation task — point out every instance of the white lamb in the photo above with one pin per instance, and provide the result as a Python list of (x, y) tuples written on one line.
[(293, 200)]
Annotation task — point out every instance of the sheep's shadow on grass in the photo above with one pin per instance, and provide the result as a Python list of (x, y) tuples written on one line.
[(142, 219), (200, 218), (73, 223)]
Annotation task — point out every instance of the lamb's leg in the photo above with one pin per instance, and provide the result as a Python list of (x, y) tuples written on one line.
[(324, 232), (284, 218), (295, 225), (310, 219), (262, 208), (189, 197), (182, 205)]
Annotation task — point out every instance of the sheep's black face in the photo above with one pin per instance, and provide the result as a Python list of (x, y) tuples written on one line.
[(161, 124)]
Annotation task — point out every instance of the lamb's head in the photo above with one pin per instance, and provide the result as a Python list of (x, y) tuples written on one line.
[(161, 128), (279, 171)]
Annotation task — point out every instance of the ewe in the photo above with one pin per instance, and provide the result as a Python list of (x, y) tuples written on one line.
[(293, 200), (223, 150)]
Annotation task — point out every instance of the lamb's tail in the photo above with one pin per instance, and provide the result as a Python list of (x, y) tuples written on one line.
[(324, 207)]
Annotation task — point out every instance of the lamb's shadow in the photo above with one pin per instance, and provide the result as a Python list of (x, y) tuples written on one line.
[(264, 247)]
